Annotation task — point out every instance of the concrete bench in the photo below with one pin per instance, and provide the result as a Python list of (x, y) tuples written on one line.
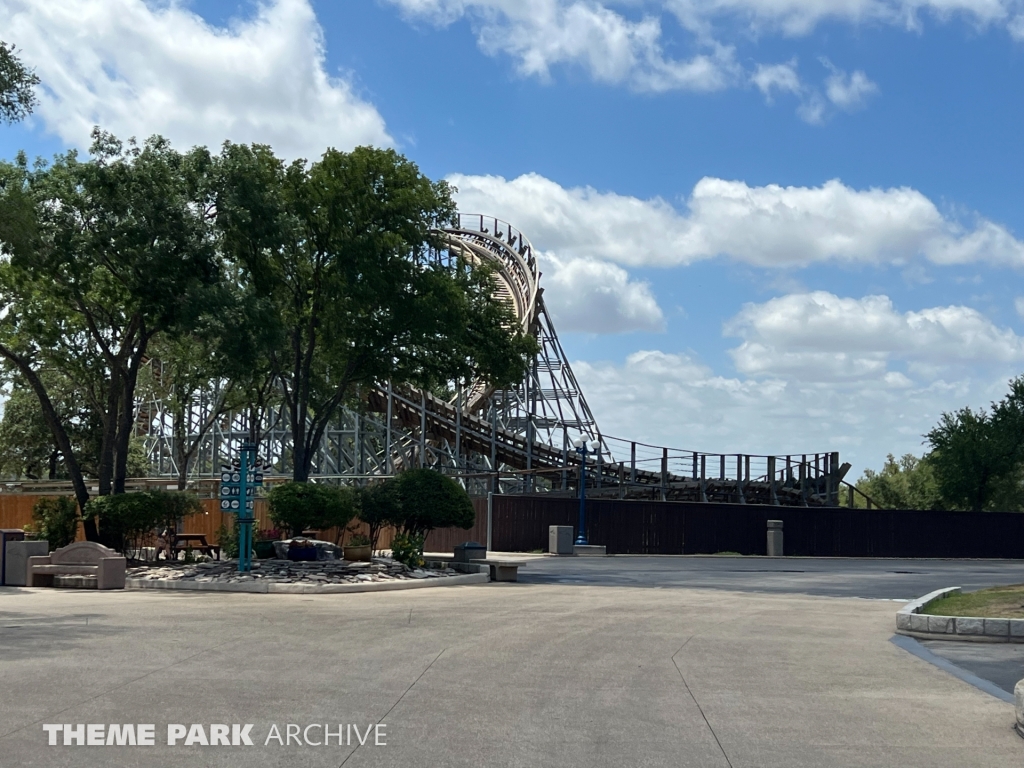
[(83, 558), (502, 570)]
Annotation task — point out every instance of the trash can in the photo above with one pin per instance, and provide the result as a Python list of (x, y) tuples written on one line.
[(775, 538), (468, 551), (6, 535), (560, 541)]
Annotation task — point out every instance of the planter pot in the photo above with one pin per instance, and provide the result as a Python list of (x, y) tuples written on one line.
[(358, 554), (264, 549)]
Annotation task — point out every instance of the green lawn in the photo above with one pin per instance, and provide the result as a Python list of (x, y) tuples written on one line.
[(996, 602)]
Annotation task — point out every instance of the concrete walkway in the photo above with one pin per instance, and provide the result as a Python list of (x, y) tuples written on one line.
[(491, 675)]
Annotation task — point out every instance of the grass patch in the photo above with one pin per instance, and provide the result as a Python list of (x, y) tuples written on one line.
[(995, 603)]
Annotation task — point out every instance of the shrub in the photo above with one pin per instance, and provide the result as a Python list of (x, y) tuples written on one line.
[(431, 500), (173, 506), (55, 518), (300, 506), (125, 520), (407, 548), (227, 539), (379, 507)]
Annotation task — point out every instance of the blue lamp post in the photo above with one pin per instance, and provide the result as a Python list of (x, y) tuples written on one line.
[(583, 449)]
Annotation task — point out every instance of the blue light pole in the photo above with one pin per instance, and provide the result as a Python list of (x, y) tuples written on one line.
[(583, 449)]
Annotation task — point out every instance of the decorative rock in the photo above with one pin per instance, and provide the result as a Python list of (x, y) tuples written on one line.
[(1018, 701), (903, 621)]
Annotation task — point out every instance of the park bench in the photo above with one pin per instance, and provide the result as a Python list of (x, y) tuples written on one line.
[(502, 570), (83, 558)]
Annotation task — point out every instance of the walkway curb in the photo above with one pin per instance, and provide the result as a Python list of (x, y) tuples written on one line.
[(911, 622), (307, 589)]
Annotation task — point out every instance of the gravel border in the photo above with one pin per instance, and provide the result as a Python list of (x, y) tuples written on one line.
[(306, 589), (911, 622)]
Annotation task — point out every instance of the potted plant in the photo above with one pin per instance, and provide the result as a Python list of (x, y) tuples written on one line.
[(357, 548), (263, 544)]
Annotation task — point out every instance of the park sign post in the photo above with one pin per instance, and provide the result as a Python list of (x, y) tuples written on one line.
[(238, 482)]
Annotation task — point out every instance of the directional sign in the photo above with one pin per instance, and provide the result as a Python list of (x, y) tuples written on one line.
[(238, 483)]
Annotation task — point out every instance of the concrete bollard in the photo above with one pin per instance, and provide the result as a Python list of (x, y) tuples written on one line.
[(774, 538)]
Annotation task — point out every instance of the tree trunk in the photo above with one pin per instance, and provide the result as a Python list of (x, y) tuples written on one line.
[(60, 436)]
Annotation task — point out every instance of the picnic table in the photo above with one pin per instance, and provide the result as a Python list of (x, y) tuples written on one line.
[(182, 544)]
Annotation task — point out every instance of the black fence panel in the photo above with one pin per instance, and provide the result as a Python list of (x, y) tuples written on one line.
[(520, 524)]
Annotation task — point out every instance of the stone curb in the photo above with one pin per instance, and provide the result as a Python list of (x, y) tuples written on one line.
[(910, 622), (1018, 705), (307, 589)]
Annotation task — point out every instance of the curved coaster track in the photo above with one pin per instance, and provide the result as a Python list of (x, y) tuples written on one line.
[(503, 440)]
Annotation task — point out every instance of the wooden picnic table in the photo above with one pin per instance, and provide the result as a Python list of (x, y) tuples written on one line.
[(182, 544)]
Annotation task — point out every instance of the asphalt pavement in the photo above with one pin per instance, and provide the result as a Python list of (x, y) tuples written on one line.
[(830, 577), (521, 675)]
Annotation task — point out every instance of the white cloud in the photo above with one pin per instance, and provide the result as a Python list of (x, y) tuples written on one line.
[(541, 34), (800, 17), (769, 226), (783, 78), (821, 337), (598, 297), (848, 92), (673, 399), (137, 69)]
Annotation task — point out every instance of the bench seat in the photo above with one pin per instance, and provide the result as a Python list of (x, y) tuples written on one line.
[(82, 558), (89, 570), (502, 570)]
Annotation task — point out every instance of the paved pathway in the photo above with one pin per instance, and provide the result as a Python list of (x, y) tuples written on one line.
[(492, 675)]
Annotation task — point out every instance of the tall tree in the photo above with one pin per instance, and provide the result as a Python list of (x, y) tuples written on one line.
[(17, 86), (348, 249), (104, 255), (977, 455)]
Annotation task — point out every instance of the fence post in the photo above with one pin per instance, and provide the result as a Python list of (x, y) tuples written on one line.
[(703, 474), (739, 478), (849, 496), (622, 480), (632, 463), (721, 467), (664, 473), (772, 497), (803, 478)]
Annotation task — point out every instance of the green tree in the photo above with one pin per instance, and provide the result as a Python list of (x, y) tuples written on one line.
[(17, 86), (297, 507), (348, 249), (430, 500), (908, 483), (116, 250), (379, 507), (56, 520), (977, 456)]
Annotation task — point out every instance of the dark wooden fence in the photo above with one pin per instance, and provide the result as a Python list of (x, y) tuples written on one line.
[(520, 524)]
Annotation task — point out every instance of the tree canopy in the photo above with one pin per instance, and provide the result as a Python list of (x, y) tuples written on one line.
[(141, 272), (17, 86)]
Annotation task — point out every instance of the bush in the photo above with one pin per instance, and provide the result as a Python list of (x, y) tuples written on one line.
[(407, 548), (431, 500), (227, 539), (307, 506), (173, 507), (125, 520), (379, 507), (55, 518)]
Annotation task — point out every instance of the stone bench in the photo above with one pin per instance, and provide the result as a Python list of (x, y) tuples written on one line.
[(85, 559), (502, 570)]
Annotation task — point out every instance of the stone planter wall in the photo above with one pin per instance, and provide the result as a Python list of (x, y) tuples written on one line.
[(909, 621)]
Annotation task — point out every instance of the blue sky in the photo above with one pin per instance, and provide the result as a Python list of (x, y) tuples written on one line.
[(765, 225)]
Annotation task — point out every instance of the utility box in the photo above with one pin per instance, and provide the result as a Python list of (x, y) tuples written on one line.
[(16, 557), (7, 535), (774, 538), (468, 551), (560, 541)]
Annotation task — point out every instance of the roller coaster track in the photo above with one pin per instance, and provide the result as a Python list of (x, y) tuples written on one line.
[(511, 439), (528, 443)]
